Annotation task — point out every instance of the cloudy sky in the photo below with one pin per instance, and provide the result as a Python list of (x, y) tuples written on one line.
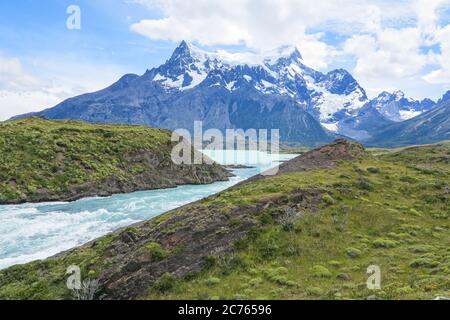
[(386, 45)]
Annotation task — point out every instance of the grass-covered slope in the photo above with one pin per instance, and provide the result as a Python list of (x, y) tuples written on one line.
[(42, 160), (305, 234)]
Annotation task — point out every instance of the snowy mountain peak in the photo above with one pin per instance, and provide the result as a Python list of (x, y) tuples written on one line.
[(281, 71), (398, 95), (184, 47), (445, 97), (187, 50), (182, 53), (387, 97), (290, 53), (397, 107), (383, 96)]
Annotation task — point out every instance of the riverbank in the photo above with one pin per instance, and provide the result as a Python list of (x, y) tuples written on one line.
[(34, 231), (45, 161), (309, 232)]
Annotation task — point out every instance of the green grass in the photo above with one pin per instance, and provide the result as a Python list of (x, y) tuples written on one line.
[(46, 280), (401, 225), (369, 214), (52, 156)]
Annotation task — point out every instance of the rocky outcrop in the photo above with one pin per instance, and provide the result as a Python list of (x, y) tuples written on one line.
[(322, 157), (190, 236)]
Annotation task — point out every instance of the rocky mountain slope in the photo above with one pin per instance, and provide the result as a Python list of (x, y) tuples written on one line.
[(274, 90), (46, 160), (380, 112), (309, 232), (271, 90), (396, 107), (428, 127)]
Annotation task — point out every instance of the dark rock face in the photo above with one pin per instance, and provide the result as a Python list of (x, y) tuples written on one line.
[(445, 97), (245, 108), (323, 157), (201, 232), (367, 121)]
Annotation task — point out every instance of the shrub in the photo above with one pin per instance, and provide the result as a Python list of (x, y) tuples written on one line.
[(373, 170), (273, 272), (421, 248), (404, 290), (166, 283), (385, 243), (321, 272), (232, 261), (210, 282), (408, 179), (344, 277), (269, 248), (210, 262), (286, 219), (255, 281), (314, 291), (334, 263), (364, 185), (282, 280), (424, 263), (353, 252), (328, 199), (157, 252), (414, 212)]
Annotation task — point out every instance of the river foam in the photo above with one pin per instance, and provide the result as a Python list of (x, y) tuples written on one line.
[(31, 232)]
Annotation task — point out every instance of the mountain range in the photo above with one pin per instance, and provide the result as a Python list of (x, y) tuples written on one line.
[(272, 90), (426, 128)]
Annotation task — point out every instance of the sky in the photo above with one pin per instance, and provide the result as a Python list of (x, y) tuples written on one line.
[(386, 45)]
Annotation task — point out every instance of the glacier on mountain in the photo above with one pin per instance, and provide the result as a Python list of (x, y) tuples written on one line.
[(272, 89), (281, 71)]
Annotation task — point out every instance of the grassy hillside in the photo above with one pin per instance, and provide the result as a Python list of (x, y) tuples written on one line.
[(309, 234), (392, 211), (65, 160)]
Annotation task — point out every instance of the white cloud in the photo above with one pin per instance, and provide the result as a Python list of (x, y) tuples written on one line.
[(427, 17), (15, 103), (317, 53), (12, 75), (384, 38), (22, 92), (396, 54), (265, 24), (393, 53), (441, 75)]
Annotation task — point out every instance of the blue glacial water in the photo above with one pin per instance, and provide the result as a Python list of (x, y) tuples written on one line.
[(31, 232)]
